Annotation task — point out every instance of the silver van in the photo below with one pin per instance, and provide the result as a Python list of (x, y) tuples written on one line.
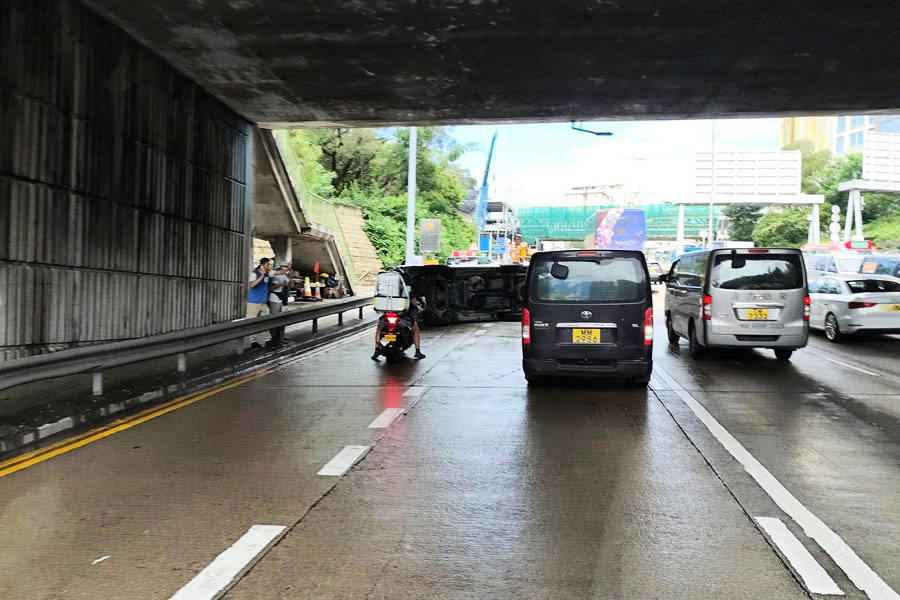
[(739, 298)]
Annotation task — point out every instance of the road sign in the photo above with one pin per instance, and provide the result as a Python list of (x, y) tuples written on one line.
[(881, 157), (430, 236), (723, 176)]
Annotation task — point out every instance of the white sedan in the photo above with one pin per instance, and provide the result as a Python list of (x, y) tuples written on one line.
[(847, 304)]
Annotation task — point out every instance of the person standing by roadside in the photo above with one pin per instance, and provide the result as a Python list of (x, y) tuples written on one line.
[(280, 283), (258, 292), (278, 287)]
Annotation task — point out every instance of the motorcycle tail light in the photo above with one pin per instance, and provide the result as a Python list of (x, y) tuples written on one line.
[(392, 319)]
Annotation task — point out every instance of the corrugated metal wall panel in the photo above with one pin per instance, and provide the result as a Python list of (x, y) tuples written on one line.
[(122, 187)]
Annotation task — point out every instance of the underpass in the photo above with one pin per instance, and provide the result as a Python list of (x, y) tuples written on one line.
[(469, 484)]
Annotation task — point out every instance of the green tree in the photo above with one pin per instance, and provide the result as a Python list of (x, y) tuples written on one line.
[(814, 166), (369, 169), (315, 177), (742, 218), (782, 227)]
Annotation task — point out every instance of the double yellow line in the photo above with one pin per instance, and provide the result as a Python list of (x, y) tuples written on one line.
[(29, 459)]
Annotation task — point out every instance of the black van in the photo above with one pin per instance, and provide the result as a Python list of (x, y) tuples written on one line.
[(587, 313)]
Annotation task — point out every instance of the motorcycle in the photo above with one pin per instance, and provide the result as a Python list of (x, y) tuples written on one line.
[(396, 335)]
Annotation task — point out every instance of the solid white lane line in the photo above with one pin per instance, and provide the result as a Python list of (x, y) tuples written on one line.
[(343, 460), (842, 554), (386, 417), (848, 365), (814, 577), (223, 572)]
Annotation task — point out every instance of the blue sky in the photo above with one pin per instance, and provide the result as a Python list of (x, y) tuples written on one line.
[(536, 164)]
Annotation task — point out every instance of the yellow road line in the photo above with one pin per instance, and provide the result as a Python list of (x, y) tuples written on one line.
[(29, 459)]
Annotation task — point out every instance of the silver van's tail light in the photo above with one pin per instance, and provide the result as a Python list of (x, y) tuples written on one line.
[(807, 305), (526, 327), (707, 307), (648, 327)]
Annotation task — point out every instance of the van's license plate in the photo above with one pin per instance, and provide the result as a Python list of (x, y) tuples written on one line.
[(757, 314), (586, 336)]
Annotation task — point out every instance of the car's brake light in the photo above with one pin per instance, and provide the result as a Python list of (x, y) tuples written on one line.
[(526, 327), (707, 307), (807, 303), (648, 327), (862, 304)]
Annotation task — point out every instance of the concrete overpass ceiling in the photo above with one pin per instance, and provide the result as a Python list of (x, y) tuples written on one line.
[(455, 61)]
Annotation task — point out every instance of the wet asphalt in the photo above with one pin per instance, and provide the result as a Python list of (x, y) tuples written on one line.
[(485, 488)]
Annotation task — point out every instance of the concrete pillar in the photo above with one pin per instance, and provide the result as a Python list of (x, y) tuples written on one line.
[(815, 226), (679, 231), (283, 248), (848, 220), (857, 216)]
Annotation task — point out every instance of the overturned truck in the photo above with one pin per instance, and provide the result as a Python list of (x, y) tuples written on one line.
[(465, 294)]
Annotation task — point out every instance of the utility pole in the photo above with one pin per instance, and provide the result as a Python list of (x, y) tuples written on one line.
[(411, 199)]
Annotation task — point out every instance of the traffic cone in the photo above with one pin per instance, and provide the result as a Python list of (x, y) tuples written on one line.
[(318, 292), (307, 290)]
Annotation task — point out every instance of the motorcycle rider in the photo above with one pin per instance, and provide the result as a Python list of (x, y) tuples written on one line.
[(414, 313)]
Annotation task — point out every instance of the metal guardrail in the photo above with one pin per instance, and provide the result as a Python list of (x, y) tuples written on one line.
[(96, 359)]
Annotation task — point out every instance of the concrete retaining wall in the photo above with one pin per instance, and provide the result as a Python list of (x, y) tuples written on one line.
[(123, 187)]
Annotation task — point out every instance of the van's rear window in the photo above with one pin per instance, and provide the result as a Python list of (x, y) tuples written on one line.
[(757, 272), (612, 279)]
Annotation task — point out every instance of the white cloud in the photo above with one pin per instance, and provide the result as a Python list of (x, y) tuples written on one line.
[(538, 164)]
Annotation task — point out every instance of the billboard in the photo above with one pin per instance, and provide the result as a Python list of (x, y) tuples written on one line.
[(620, 229)]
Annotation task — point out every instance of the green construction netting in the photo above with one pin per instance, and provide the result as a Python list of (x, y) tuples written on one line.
[(576, 222)]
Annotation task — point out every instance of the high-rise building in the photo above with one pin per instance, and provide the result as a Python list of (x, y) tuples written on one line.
[(814, 130), (849, 131)]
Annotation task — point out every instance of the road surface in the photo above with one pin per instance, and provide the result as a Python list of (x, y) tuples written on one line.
[(471, 485)]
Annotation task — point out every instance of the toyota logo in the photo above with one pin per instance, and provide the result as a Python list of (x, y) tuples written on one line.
[(586, 314)]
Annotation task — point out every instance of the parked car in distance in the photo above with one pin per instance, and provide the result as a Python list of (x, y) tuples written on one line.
[(587, 313), (850, 304), (738, 298), (823, 263), (881, 264), (655, 269)]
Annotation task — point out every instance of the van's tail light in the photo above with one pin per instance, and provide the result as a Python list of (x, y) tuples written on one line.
[(707, 307), (648, 327), (862, 304), (526, 327), (807, 305)]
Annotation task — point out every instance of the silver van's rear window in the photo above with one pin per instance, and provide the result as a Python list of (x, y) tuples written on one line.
[(607, 279), (769, 271)]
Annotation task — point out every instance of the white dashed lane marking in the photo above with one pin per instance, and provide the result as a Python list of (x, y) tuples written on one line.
[(227, 568), (810, 572), (343, 460), (860, 573)]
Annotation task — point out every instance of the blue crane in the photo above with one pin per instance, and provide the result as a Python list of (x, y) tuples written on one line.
[(481, 208)]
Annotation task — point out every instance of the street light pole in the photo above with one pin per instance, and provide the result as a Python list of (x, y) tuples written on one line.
[(411, 199)]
